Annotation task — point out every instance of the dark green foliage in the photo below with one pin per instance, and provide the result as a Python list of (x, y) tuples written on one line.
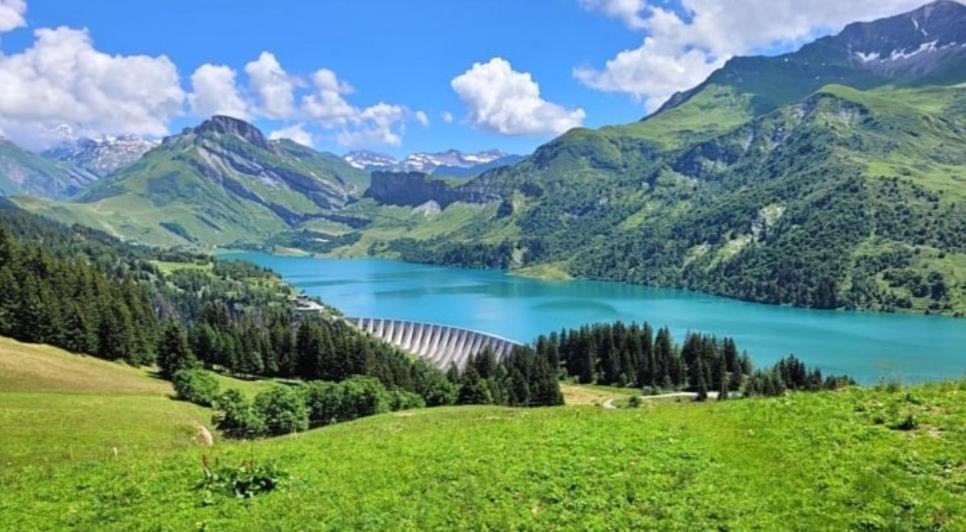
[(353, 398), (525, 377), (174, 354), (792, 374), (196, 385), (72, 304), (283, 410), (654, 362), (243, 482), (235, 416), (403, 400)]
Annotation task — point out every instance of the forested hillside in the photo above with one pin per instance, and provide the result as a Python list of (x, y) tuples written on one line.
[(847, 199)]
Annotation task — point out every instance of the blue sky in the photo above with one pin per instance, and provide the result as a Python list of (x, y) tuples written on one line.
[(406, 54)]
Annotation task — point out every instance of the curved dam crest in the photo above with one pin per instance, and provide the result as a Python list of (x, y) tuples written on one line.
[(441, 345)]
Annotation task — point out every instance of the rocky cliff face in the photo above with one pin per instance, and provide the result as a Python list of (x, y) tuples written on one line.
[(415, 188)]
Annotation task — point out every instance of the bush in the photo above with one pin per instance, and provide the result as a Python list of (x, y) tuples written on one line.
[(282, 409), (352, 398), (403, 400), (324, 402), (236, 417), (196, 385), (363, 396), (634, 401)]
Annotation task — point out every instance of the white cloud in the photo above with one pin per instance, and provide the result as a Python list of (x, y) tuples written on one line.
[(508, 102), (422, 118), (379, 124), (679, 53), (11, 14), (275, 88), (295, 133), (447, 117), (627, 10), (213, 92), (63, 83)]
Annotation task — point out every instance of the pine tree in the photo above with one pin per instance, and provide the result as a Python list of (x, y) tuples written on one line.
[(173, 351)]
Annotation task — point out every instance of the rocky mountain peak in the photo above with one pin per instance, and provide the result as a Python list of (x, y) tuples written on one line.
[(226, 125)]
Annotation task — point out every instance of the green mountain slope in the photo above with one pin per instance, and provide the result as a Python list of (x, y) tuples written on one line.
[(23, 172), (921, 47), (216, 184), (830, 177), (847, 198)]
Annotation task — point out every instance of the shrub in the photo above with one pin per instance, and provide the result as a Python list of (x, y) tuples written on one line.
[(283, 410), (196, 385), (403, 400), (236, 417), (362, 396), (353, 398), (324, 402), (634, 401), (243, 482)]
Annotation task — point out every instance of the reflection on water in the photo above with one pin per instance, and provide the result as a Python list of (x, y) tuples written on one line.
[(865, 345)]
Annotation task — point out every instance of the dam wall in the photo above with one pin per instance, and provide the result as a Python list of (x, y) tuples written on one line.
[(439, 344)]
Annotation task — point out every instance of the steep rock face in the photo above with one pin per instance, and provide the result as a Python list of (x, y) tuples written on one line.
[(415, 188)]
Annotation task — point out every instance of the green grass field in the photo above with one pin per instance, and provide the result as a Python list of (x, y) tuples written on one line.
[(826, 461)]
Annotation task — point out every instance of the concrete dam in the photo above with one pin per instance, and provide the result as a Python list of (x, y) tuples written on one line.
[(439, 344)]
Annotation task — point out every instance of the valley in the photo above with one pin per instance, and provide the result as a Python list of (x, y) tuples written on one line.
[(700, 265)]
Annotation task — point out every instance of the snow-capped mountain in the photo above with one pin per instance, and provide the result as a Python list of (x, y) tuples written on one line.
[(450, 162), (370, 160), (101, 156)]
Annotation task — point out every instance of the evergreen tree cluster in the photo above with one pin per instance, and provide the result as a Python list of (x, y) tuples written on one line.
[(525, 377), (71, 304), (618, 354), (792, 374)]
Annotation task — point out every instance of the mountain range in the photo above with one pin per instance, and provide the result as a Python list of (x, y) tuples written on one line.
[(450, 163), (101, 156), (831, 177)]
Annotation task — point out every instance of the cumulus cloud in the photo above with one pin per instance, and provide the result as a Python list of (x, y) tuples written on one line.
[(508, 102), (11, 14), (447, 117), (275, 88), (678, 53), (63, 83), (627, 10), (213, 92), (295, 133), (382, 123)]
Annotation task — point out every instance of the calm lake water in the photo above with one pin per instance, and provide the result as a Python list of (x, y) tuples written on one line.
[(867, 346)]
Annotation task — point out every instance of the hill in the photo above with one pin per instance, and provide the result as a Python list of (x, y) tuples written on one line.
[(61, 408), (219, 183), (831, 177), (855, 458)]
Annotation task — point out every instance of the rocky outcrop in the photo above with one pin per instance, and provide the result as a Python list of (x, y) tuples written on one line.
[(414, 188)]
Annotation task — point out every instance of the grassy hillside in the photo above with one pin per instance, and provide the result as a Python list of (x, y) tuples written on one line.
[(846, 199), (832, 460)]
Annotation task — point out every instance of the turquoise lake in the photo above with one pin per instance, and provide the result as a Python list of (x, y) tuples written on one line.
[(867, 346)]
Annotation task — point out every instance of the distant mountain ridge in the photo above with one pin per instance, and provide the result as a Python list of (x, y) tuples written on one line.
[(101, 156), (451, 163)]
